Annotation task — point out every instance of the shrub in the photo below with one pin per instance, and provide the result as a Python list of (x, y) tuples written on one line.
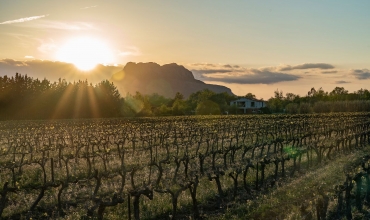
[(322, 107), (304, 108), (208, 107), (292, 108)]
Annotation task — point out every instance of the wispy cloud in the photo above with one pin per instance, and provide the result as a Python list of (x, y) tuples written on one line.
[(341, 82), (329, 72), (93, 6), (210, 71), (130, 51), (20, 20), (252, 76), (47, 46), (306, 66), (73, 26), (361, 74)]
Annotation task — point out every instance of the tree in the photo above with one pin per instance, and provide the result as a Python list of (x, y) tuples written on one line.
[(338, 93), (179, 107), (223, 100), (291, 97), (157, 100), (276, 103), (109, 99), (195, 98), (164, 110), (250, 96), (143, 107), (292, 108), (207, 107), (232, 109), (179, 96)]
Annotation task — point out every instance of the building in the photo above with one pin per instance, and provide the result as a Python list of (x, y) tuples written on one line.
[(247, 105)]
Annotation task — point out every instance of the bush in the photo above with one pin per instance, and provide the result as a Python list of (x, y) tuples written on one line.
[(208, 108), (265, 110), (322, 107), (292, 108), (305, 108)]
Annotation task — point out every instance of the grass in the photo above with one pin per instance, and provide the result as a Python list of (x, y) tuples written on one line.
[(286, 201)]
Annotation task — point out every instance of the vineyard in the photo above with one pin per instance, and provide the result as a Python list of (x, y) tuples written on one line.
[(177, 167)]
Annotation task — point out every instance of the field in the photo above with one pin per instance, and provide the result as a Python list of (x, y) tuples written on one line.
[(206, 167)]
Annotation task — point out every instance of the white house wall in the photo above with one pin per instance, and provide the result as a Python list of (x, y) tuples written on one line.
[(248, 104)]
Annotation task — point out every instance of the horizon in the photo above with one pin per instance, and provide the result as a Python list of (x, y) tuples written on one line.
[(249, 47)]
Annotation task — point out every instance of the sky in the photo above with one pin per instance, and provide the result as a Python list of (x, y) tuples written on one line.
[(249, 46)]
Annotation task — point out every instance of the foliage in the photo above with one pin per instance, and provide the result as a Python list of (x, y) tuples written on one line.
[(250, 96), (305, 108), (319, 101), (22, 97), (208, 107), (276, 103), (292, 108)]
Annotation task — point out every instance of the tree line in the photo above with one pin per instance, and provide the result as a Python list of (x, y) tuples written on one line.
[(205, 102), (23, 97), (320, 101)]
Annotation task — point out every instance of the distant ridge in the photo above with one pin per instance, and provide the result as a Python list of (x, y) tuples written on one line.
[(166, 80)]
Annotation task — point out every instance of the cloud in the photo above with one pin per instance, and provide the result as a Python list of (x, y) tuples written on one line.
[(203, 64), (201, 69), (54, 70), (20, 20), (93, 6), (29, 57), (329, 72), (72, 26), (235, 74), (361, 74), (306, 66), (12, 62), (253, 76), (47, 46), (130, 51), (341, 82), (210, 71)]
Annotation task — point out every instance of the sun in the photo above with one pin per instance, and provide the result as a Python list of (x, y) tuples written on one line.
[(85, 52)]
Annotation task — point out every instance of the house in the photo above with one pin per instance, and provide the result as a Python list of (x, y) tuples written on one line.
[(249, 105)]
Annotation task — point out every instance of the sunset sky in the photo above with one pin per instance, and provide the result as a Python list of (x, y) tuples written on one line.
[(248, 46)]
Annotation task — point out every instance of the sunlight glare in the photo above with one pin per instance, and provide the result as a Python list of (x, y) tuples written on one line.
[(85, 52)]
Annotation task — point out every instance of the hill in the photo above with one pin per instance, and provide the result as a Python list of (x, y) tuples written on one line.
[(166, 80)]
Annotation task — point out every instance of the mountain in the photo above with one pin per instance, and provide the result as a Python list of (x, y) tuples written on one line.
[(166, 80)]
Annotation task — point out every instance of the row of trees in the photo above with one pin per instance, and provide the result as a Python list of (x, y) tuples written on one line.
[(203, 102), (319, 101), (22, 97)]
